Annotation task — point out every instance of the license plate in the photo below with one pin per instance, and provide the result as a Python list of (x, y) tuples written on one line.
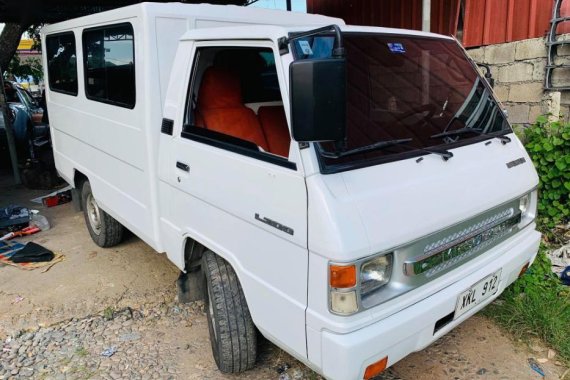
[(478, 293)]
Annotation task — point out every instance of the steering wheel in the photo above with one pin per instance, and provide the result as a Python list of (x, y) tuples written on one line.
[(428, 109)]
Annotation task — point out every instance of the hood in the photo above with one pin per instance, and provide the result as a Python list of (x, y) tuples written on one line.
[(360, 212)]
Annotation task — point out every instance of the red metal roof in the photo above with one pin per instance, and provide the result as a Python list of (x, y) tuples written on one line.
[(485, 22)]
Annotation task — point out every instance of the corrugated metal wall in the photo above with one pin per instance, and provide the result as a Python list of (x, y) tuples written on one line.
[(485, 22), (496, 21), (389, 13)]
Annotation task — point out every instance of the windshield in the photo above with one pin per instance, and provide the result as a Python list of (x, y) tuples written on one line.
[(407, 87)]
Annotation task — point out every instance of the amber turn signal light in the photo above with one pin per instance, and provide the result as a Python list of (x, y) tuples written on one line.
[(524, 269), (342, 276), (375, 369)]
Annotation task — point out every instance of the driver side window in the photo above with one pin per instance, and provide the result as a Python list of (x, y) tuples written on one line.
[(234, 102)]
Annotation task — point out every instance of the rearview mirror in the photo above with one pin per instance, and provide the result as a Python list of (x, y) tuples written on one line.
[(318, 99)]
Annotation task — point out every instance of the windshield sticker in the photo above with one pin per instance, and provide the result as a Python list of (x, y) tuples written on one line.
[(396, 47), (305, 47)]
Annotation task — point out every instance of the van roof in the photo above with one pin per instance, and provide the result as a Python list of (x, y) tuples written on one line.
[(276, 31), (205, 15)]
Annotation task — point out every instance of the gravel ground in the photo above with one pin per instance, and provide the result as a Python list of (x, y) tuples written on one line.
[(127, 344), (75, 349)]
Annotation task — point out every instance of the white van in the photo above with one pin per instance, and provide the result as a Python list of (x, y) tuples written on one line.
[(352, 193)]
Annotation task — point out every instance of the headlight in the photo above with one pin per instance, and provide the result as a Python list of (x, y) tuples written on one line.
[(524, 203), (375, 273), (527, 207), (349, 283)]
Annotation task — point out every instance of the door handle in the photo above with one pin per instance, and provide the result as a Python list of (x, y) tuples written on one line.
[(182, 166)]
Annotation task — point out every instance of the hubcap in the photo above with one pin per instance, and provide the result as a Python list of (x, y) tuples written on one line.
[(93, 214)]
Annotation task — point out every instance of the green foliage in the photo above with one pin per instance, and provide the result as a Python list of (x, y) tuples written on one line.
[(537, 306), (548, 144), (109, 313), (31, 67)]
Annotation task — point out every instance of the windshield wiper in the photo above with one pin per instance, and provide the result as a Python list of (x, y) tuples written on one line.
[(368, 148), (444, 154), (462, 131)]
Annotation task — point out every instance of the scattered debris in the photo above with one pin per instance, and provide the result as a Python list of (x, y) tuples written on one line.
[(560, 258), (283, 368), (39, 200), (535, 366), (565, 276), (32, 253), (542, 360), (30, 230), (8, 250), (39, 221), (108, 352), (55, 198), (551, 354), (13, 218)]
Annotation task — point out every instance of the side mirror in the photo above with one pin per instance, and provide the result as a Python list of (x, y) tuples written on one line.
[(318, 99)]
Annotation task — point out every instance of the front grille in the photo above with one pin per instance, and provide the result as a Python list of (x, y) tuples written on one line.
[(457, 247)]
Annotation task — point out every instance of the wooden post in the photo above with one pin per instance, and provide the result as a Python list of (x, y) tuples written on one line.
[(9, 131)]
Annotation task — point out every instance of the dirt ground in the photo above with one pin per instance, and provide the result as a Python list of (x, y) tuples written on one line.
[(91, 280)]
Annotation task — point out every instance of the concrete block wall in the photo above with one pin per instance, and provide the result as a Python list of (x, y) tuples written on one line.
[(519, 71)]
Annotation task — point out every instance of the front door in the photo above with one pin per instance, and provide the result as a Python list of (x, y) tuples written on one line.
[(236, 180)]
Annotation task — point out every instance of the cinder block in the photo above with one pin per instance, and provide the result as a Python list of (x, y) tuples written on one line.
[(502, 92), (534, 112), (517, 72), (526, 92), (561, 77), (528, 49), (518, 113), (551, 105), (539, 70), (503, 53), (565, 98), (477, 54)]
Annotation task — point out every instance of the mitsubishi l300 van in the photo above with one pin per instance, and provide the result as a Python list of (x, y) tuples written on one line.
[(351, 193)]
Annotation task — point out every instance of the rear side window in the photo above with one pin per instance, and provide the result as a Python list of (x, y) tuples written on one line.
[(109, 61), (62, 63)]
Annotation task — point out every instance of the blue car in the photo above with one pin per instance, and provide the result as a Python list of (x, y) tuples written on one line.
[(25, 115)]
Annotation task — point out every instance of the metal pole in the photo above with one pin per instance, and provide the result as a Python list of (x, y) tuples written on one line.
[(289, 5), (426, 15), (9, 131)]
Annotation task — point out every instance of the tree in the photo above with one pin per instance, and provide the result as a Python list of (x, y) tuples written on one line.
[(9, 40), (31, 67)]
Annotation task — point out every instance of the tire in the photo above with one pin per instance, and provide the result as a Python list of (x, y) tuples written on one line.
[(104, 230), (232, 333)]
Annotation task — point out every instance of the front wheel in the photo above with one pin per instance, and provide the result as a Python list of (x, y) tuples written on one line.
[(232, 333), (103, 228)]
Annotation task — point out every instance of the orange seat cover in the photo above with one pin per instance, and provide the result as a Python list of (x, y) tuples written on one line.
[(220, 105), (274, 125)]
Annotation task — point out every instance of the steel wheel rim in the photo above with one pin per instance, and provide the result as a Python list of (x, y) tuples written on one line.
[(93, 214)]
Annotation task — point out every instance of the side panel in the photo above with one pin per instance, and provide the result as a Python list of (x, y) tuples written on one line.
[(107, 143)]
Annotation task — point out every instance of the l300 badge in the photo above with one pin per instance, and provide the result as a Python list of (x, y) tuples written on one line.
[(275, 224)]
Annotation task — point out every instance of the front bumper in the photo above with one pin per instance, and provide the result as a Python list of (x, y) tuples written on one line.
[(346, 356)]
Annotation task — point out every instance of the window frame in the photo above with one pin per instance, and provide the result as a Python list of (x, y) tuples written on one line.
[(51, 88), (83, 52), (220, 140)]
